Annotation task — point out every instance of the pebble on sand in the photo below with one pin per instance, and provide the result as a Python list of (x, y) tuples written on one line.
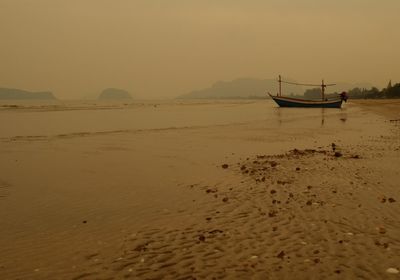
[(273, 163), (211, 191), (381, 230), (338, 154), (272, 213), (281, 255), (225, 166)]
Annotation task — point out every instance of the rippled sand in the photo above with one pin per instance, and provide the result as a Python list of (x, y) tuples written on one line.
[(229, 189)]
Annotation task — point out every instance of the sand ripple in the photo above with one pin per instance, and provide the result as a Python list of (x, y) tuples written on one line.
[(316, 214), (4, 189)]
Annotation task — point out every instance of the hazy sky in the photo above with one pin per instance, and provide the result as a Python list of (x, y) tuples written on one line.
[(163, 48)]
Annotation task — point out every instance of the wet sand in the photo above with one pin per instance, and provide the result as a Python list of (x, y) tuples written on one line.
[(205, 190)]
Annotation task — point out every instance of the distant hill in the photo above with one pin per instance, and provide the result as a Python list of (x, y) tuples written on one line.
[(12, 94), (241, 88), (257, 88), (332, 91), (114, 93), (339, 87)]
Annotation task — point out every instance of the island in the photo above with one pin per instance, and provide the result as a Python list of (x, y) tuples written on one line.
[(241, 88), (114, 94), (13, 94)]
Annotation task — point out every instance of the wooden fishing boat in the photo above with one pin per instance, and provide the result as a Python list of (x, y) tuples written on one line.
[(295, 102), (284, 101)]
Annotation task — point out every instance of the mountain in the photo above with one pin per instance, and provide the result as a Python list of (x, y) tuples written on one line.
[(242, 88), (258, 88), (114, 93), (339, 87), (10, 94)]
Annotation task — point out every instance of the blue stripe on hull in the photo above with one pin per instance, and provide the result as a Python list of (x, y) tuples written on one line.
[(292, 103)]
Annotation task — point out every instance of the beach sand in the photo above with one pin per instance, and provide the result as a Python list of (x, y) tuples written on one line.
[(200, 190)]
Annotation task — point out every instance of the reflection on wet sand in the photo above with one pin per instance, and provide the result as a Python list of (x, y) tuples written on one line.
[(284, 114)]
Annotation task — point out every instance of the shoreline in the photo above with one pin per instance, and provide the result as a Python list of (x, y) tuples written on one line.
[(388, 108)]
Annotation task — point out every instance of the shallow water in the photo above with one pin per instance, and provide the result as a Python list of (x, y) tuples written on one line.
[(82, 117)]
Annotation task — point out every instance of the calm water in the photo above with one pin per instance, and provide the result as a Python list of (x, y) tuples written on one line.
[(35, 119)]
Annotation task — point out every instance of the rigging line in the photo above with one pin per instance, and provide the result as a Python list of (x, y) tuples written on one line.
[(309, 85)]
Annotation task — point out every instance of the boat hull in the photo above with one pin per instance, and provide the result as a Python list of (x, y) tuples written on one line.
[(294, 102)]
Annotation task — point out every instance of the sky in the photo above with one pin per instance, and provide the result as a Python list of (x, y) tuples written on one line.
[(164, 48)]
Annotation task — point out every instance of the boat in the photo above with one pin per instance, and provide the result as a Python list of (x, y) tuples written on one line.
[(284, 101), (295, 102)]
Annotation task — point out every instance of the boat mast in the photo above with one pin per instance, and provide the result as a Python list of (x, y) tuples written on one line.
[(280, 85), (323, 86)]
